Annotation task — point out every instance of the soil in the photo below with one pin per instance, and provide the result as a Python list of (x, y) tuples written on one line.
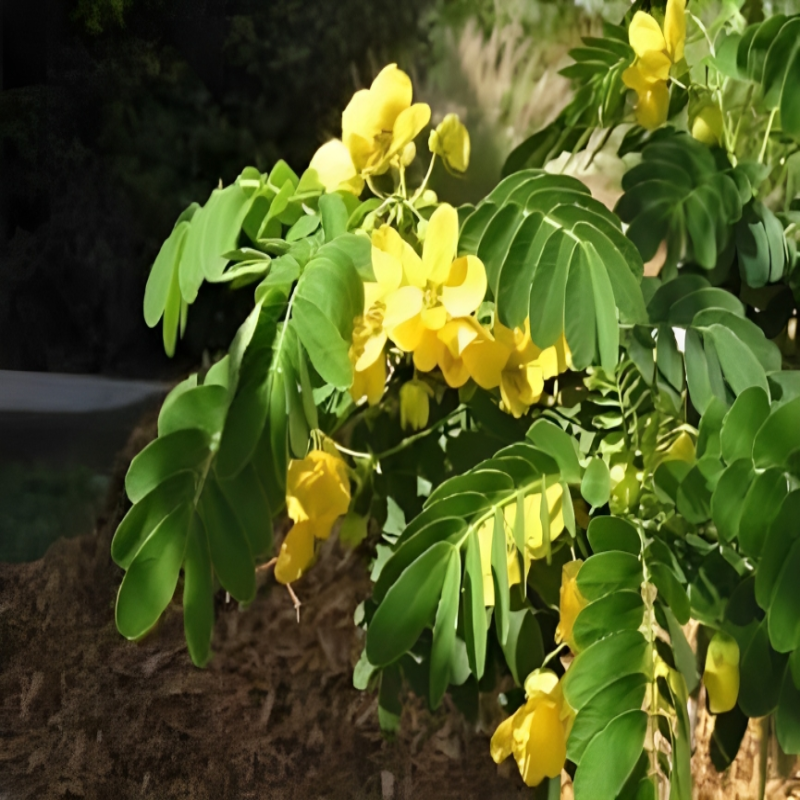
[(86, 714)]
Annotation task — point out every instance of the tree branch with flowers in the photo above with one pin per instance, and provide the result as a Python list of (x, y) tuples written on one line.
[(555, 458)]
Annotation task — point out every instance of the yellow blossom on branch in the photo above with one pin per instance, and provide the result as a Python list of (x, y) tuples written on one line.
[(433, 288), (536, 734), (657, 51), (414, 405), (379, 125), (450, 141), (367, 356), (317, 494), (528, 367)]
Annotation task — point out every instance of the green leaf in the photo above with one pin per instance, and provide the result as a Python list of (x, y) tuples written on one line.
[(727, 501), (328, 298), (558, 444), (444, 629), (620, 611), (610, 757), (214, 231), (779, 436), (162, 272), (198, 594), (613, 533), (143, 517), (150, 581), (671, 591), (163, 458), (625, 694), (685, 659), (334, 216), (250, 505), (249, 408), (602, 664), (787, 720), (609, 572), (784, 610), (500, 577), (524, 648), (408, 606), (742, 423), (739, 366), (230, 552), (729, 730), (760, 670), (761, 505), (596, 483), (780, 537), (475, 625), (202, 407)]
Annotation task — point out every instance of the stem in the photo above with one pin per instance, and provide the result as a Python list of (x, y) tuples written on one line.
[(697, 21), (748, 100), (763, 753), (551, 656), (425, 180), (374, 189), (354, 453), (417, 436), (766, 136), (403, 181)]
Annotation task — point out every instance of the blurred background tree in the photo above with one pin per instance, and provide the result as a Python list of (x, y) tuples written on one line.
[(125, 111)]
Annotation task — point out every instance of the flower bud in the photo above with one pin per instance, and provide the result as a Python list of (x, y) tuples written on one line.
[(450, 141), (708, 125), (721, 676), (414, 405)]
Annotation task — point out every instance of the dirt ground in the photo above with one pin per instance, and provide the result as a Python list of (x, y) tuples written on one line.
[(86, 714)]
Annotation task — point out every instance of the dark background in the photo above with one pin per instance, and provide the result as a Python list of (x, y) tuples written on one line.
[(116, 114)]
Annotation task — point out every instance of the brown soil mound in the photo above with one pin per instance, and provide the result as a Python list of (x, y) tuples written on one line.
[(85, 713)]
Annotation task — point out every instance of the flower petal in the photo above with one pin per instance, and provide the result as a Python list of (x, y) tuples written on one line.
[(459, 333), (296, 554), (335, 169), (675, 28), (434, 318), (653, 106), (654, 66), (644, 34), (441, 241), (408, 125), (485, 360), (402, 305), (373, 349), (391, 93), (465, 286), (427, 352), (387, 254)]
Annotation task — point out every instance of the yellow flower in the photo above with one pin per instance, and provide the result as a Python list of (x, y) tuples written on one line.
[(528, 367), (380, 121), (656, 51), (296, 554), (434, 288), (366, 355), (379, 126), (335, 169), (317, 494), (536, 734), (571, 603), (414, 405), (462, 349), (450, 140), (721, 676), (708, 125)]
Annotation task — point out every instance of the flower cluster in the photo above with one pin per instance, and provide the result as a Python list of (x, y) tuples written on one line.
[(317, 494), (657, 51), (426, 306), (536, 734), (379, 126)]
